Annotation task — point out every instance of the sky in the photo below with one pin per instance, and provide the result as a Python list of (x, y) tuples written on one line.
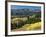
[(22, 7)]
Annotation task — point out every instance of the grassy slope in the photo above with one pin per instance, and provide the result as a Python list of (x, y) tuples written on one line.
[(26, 27)]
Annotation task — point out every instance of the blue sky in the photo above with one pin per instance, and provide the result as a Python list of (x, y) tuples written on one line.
[(22, 7)]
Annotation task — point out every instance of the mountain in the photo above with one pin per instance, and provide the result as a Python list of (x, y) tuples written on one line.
[(25, 12)]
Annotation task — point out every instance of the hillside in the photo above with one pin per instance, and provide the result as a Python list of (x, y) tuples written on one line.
[(26, 27)]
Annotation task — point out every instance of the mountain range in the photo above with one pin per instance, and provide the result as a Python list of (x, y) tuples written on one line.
[(21, 12)]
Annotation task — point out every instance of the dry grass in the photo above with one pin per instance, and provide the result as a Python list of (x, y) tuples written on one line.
[(28, 27), (34, 26)]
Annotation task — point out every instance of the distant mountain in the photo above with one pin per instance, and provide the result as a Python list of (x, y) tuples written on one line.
[(21, 12)]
